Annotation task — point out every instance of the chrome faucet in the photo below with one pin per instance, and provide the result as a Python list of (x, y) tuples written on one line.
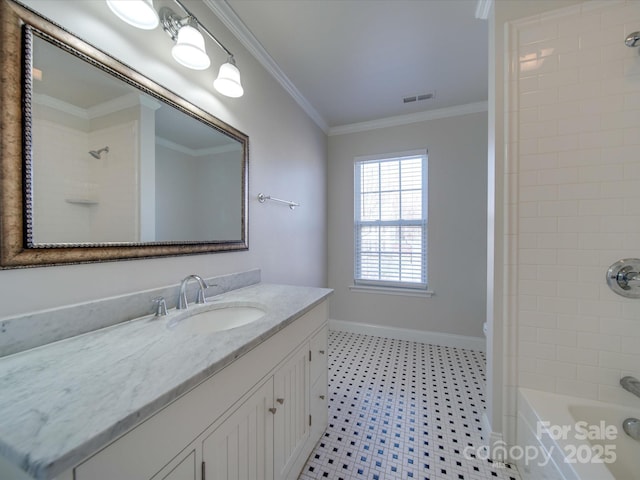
[(182, 298), (631, 384)]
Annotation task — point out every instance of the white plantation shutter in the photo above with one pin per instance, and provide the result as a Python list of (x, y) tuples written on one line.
[(391, 221)]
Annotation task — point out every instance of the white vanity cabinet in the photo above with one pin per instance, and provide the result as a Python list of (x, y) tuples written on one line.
[(258, 418)]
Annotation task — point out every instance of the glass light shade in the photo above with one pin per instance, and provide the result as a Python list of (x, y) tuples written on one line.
[(189, 49), (228, 81), (138, 13)]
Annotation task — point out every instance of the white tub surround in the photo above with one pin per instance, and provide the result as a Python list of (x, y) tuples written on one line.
[(64, 401), (567, 136), (570, 438)]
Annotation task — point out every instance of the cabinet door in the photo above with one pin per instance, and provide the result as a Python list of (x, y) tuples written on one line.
[(241, 447), (291, 420)]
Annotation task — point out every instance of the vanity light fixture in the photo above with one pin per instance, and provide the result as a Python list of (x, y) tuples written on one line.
[(189, 49), (228, 81), (138, 13)]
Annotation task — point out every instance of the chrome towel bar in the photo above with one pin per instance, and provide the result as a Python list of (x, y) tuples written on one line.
[(263, 198)]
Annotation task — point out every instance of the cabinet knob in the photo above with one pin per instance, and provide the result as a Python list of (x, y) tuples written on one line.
[(321, 397), (280, 400), (273, 410)]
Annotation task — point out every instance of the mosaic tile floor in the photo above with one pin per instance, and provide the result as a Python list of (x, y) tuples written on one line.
[(402, 410)]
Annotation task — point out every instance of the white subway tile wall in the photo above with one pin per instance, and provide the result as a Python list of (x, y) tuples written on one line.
[(84, 199), (574, 197)]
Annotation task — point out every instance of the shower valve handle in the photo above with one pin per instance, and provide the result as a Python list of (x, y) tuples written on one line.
[(623, 277), (628, 279)]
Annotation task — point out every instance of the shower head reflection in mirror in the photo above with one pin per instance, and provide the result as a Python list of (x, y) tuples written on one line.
[(98, 153)]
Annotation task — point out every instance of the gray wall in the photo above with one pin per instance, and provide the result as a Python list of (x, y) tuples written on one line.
[(457, 236), (287, 159)]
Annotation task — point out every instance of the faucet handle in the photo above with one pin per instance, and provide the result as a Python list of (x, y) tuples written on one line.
[(201, 297), (160, 306)]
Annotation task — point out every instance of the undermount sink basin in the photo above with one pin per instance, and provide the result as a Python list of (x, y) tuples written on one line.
[(214, 318)]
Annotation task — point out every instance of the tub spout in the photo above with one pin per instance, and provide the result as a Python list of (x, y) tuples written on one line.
[(631, 384), (631, 427)]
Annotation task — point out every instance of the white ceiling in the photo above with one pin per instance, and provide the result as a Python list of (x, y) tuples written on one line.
[(353, 61)]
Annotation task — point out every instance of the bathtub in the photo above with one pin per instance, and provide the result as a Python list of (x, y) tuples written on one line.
[(568, 438)]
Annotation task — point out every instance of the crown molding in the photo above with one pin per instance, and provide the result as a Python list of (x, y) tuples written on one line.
[(115, 105), (60, 105), (128, 100), (410, 118), (231, 20), (202, 152)]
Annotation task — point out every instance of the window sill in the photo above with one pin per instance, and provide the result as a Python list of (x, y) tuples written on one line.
[(407, 292)]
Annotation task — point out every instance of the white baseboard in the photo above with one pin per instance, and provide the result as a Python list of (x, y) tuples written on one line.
[(435, 338), (492, 438), (494, 442)]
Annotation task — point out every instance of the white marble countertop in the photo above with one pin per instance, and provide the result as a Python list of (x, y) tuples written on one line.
[(63, 401)]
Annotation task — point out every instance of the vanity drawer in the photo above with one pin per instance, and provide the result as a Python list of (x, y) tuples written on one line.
[(319, 405), (318, 348)]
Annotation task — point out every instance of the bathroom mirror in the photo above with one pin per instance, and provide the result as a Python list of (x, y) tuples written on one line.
[(100, 163)]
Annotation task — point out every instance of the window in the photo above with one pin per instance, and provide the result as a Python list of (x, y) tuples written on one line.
[(391, 221)]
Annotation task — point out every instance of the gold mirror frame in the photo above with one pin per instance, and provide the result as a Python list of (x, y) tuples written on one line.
[(15, 252)]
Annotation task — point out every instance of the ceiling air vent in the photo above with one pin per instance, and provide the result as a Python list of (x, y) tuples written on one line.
[(418, 98)]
